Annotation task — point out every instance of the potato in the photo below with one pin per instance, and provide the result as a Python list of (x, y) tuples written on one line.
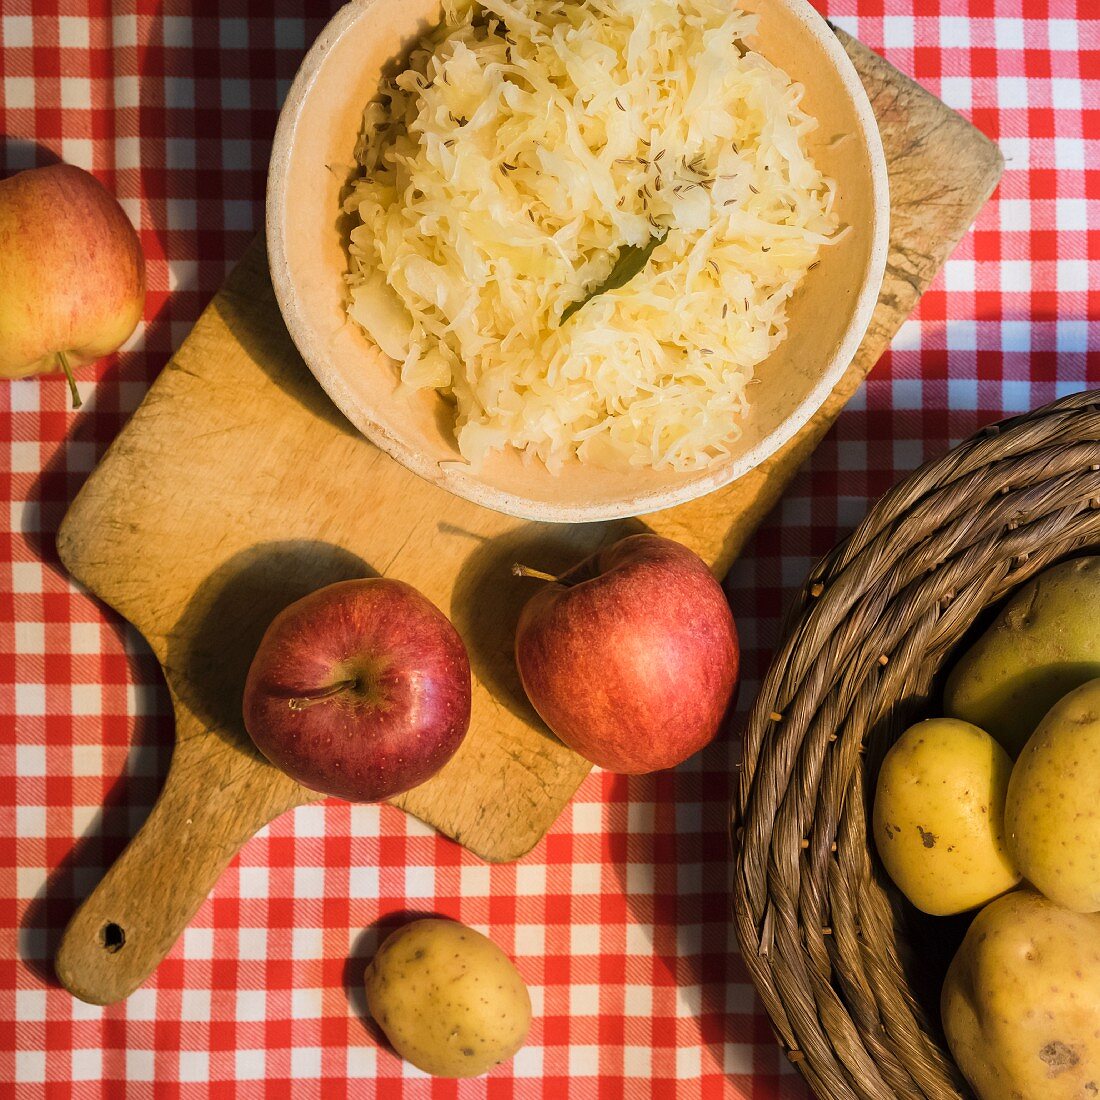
[(1052, 814), (939, 816), (1044, 643), (449, 1000), (1021, 1001)]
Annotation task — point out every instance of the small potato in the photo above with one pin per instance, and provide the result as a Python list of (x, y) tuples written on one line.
[(1021, 1001), (939, 816), (449, 1000), (1052, 814), (1044, 643)]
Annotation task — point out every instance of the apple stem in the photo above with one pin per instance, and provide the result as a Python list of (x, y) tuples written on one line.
[(310, 698), (526, 571), (63, 359)]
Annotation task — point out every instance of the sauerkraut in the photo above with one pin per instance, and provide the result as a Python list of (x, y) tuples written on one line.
[(504, 172)]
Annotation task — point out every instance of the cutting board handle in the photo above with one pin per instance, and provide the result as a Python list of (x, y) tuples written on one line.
[(130, 921)]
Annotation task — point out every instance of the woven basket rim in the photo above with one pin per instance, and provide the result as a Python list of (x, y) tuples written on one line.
[(825, 938)]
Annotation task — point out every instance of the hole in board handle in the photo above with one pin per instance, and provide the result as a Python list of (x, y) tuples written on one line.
[(112, 937)]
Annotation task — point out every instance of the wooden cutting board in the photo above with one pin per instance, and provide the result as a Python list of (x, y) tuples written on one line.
[(237, 487)]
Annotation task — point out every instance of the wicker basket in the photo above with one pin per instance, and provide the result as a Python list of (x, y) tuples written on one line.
[(849, 973)]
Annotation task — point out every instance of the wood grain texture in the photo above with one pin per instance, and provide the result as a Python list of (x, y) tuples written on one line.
[(237, 487)]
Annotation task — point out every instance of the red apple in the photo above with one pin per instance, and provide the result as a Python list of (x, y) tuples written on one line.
[(360, 690), (631, 658), (72, 273)]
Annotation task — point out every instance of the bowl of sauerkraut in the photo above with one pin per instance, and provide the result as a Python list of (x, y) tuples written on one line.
[(577, 259)]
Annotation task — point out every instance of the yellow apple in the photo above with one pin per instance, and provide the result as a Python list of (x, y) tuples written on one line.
[(72, 272)]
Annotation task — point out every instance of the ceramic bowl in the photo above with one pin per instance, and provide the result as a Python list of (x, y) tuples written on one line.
[(312, 160)]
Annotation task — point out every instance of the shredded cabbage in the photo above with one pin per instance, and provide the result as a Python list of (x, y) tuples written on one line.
[(530, 141)]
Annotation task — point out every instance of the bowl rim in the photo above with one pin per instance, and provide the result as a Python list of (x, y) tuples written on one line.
[(453, 477)]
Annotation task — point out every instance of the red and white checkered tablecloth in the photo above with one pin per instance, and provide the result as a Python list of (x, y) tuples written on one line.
[(618, 920)]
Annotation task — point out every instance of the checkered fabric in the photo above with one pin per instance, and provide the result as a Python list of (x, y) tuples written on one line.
[(618, 919)]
